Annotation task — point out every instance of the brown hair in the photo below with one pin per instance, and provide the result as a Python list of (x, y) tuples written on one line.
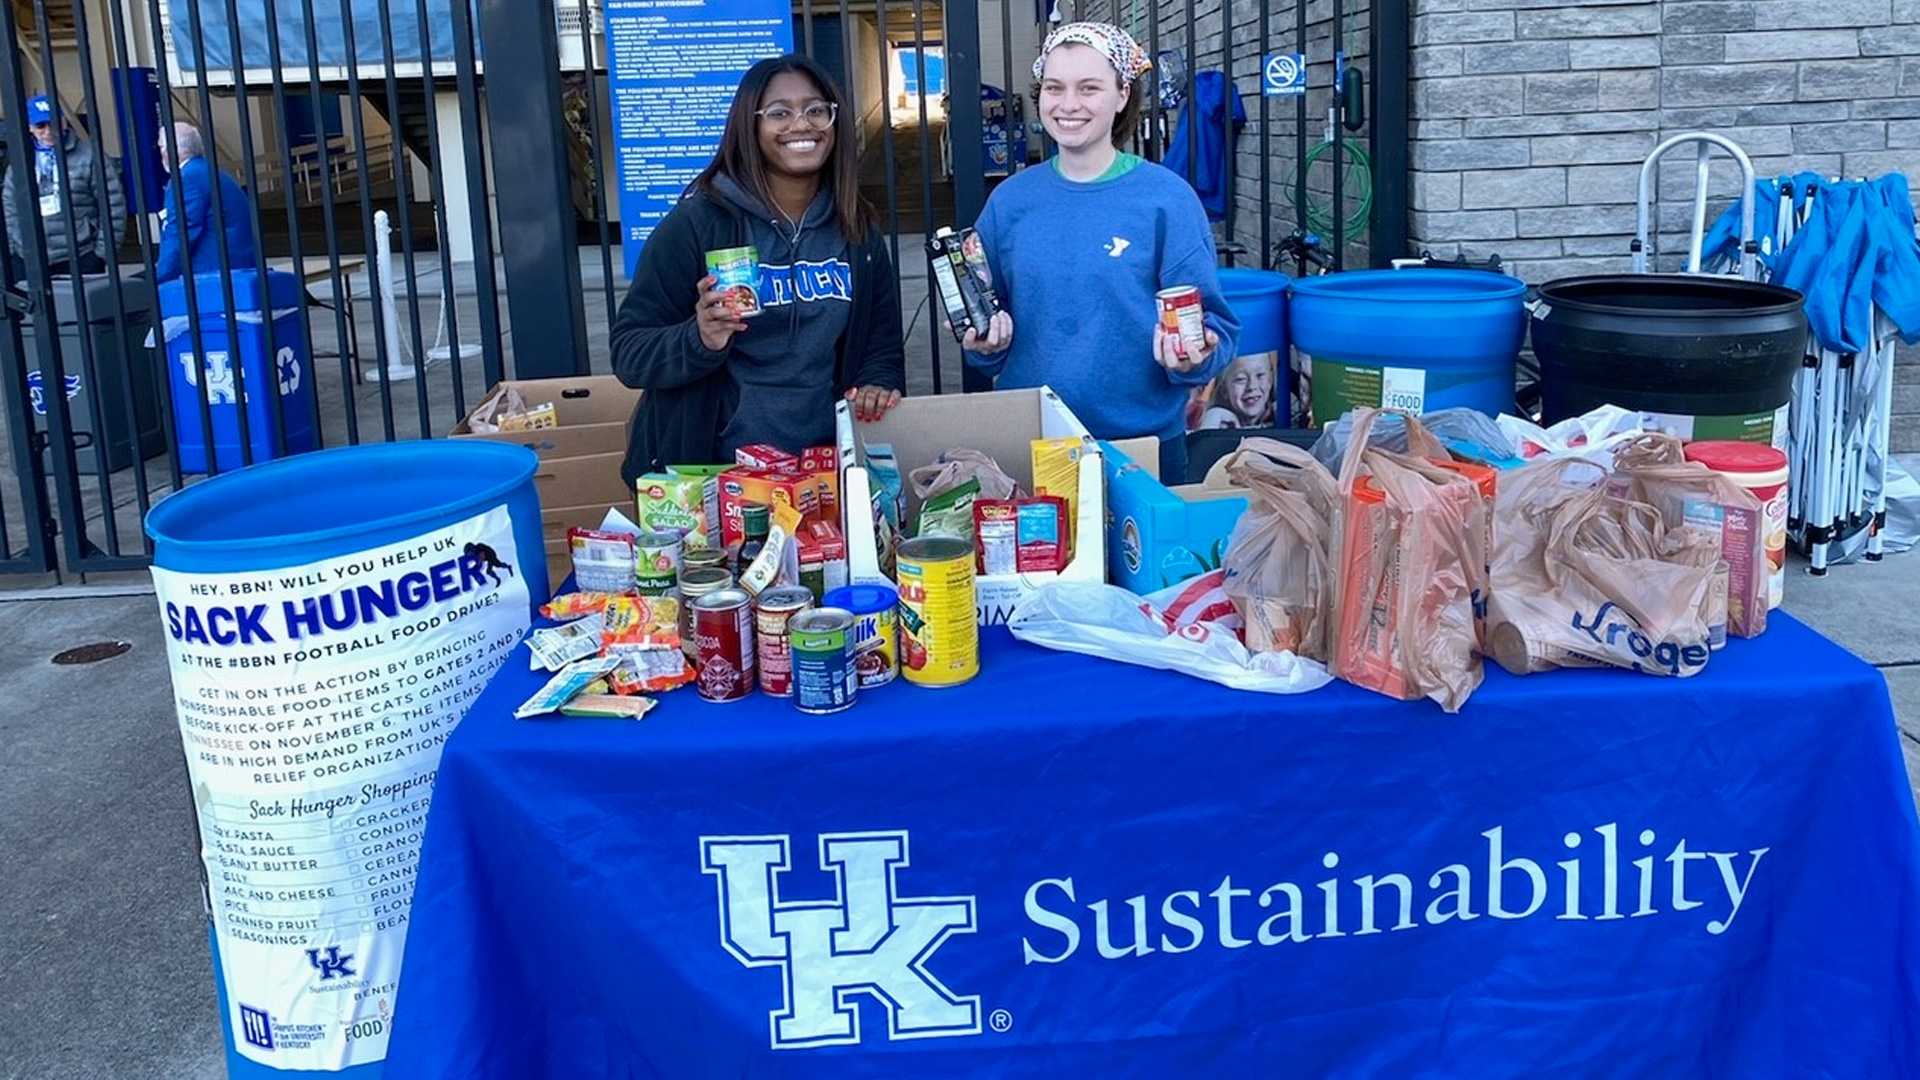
[(739, 154), (1127, 119)]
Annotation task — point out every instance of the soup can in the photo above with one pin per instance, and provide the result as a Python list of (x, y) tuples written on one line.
[(1181, 316), (738, 271), (693, 585), (824, 680), (874, 642), (770, 614), (939, 631), (723, 631)]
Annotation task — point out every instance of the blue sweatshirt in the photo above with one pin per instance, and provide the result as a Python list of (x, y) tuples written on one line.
[(1077, 266)]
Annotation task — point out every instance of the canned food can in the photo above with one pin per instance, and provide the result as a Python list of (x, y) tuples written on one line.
[(656, 556), (738, 271), (1181, 316), (703, 558), (939, 631), (873, 642), (693, 585), (770, 614), (723, 630), (824, 680)]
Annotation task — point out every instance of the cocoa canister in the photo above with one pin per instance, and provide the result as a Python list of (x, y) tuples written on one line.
[(723, 632), (771, 610)]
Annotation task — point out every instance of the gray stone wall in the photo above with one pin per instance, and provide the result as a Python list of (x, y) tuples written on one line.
[(1532, 117)]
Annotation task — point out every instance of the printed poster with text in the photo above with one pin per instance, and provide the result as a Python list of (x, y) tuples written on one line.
[(673, 66), (313, 703)]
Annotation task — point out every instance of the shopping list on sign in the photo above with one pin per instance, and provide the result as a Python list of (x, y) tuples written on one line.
[(672, 67), (313, 703)]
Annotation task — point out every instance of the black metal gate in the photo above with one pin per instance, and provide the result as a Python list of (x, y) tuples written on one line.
[(413, 182)]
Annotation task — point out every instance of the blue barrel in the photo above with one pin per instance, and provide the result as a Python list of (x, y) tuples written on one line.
[(329, 618), (270, 356), (1418, 340), (1258, 298)]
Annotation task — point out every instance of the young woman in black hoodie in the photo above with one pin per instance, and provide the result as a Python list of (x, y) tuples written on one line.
[(783, 182)]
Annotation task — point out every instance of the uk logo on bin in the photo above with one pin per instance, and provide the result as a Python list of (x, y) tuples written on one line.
[(36, 394), (219, 365)]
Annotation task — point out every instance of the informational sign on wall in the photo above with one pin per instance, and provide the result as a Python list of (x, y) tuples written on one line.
[(673, 66), (313, 703)]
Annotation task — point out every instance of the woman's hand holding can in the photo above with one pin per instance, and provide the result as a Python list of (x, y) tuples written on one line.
[(715, 317), (1169, 353)]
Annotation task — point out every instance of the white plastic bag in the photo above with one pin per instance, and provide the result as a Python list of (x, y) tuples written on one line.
[(1594, 435), (1183, 628)]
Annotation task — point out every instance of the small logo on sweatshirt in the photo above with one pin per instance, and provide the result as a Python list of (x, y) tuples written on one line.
[(1120, 244)]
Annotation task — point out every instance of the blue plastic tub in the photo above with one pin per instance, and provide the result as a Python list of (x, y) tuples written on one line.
[(329, 619), (1418, 340)]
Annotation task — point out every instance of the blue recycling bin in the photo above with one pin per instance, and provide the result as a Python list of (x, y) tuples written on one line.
[(262, 354)]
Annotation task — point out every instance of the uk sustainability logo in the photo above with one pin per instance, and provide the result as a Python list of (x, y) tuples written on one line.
[(866, 939)]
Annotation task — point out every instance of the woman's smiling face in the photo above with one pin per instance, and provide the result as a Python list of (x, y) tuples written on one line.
[(798, 148), (1080, 95)]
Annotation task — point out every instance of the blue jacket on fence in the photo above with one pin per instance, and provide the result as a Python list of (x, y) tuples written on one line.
[(202, 251)]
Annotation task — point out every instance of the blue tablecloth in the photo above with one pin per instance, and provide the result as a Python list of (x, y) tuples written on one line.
[(1073, 868)]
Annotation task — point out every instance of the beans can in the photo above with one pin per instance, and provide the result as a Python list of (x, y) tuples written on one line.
[(1181, 316), (771, 611), (939, 630), (723, 629), (824, 680), (693, 585), (738, 271), (874, 642)]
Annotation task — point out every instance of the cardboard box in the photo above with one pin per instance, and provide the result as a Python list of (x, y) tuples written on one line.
[(1002, 425), (578, 477), (593, 411), (1159, 535)]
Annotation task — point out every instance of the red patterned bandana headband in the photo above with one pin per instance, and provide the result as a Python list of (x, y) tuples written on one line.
[(1128, 58)]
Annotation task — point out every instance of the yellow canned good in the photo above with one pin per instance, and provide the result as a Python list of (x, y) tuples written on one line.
[(939, 631)]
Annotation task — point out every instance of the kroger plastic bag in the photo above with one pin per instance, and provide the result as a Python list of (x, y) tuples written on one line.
[(1185, 628), (1583, 579), (1280, 559)]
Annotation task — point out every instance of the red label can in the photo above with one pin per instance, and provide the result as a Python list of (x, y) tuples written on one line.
[(770, 614), (1180, 315), (723, 637)]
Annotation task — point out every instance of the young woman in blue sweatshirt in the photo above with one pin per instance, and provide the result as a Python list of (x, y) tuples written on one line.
[(783, 181), (1078, 248)]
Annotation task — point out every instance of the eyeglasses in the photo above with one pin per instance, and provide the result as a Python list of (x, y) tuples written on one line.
[(819, 114)]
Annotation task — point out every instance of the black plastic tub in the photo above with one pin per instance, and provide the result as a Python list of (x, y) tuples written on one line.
[(1667, 343)]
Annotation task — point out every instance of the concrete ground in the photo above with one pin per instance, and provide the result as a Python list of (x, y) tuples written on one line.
[(104, 965)]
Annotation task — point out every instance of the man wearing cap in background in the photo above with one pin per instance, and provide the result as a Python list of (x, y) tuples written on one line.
[(190, 234), (85, 241)]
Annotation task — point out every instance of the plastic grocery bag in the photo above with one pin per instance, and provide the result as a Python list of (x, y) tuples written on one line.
[(1594, 435), (1653, 469), (1583, 579), (1412, 571), (1181, 628), (1279, 562)]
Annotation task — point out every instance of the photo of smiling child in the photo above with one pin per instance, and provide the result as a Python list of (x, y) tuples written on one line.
[(1242, 396)]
